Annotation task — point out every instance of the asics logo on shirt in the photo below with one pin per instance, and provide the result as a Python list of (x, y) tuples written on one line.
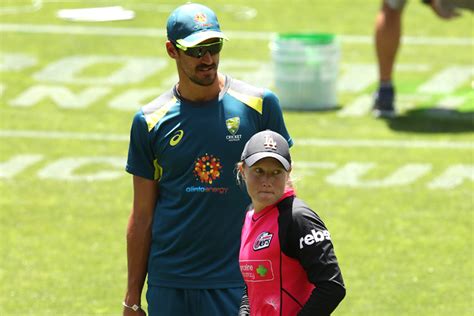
[(176, 137), (314, 237)]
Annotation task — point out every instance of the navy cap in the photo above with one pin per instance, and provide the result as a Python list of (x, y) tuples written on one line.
[(191, 24), (267, 144)]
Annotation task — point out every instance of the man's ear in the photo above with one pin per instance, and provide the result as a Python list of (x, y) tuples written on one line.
[(171, 50)]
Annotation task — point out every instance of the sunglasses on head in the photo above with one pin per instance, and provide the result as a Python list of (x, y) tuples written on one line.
[(200, 50)]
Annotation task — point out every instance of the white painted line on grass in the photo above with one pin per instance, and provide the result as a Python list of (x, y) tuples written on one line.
[(35, 5), (155, 32), (81, 30), (317, 142), (448, 80), (451, 102), (385, 143), (358, 107), (63, 135)]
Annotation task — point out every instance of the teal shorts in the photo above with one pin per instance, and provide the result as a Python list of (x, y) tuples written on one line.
[(164, 301)]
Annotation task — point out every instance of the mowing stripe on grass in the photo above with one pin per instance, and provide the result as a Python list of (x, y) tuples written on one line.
[(300, 141), (421, 144), (63, 135), (154, 32)]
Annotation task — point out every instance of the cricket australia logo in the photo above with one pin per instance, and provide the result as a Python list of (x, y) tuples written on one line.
[(233, 125), (263, 241)]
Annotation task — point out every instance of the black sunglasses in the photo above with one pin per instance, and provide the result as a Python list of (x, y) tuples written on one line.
[(200, 50)]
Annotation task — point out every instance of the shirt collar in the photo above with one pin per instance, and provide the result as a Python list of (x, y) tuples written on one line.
[(287, 193)]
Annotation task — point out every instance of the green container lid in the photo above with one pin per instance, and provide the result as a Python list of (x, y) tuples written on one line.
[(310, 38)]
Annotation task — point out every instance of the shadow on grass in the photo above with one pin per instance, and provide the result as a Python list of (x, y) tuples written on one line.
[(433, 121)]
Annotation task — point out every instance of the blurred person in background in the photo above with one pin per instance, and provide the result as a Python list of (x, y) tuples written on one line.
[(388, 31), (184, 228)]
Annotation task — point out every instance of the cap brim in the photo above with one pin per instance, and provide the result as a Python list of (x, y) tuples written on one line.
[(196, 38), (251, 160)]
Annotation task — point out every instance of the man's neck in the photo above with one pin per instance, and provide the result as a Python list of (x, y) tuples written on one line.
[(196, 93)]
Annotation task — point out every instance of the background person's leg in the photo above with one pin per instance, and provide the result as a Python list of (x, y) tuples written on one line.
[(388, 29)]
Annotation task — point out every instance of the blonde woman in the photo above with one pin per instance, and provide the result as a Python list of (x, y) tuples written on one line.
[(286, 257)]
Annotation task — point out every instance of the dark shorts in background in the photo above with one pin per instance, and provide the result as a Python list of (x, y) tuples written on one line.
[(164, 301)]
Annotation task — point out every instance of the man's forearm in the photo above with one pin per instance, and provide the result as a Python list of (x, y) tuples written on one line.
[(138, 248)]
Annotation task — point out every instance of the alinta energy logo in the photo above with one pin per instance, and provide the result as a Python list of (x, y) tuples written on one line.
[(207, 169)]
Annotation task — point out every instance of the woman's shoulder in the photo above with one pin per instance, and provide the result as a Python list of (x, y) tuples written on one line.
[(302, 212)]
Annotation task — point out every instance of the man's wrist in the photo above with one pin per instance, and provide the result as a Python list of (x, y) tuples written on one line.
[(134, 307)]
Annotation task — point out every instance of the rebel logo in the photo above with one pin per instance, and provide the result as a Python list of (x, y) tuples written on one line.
[(314, 237)]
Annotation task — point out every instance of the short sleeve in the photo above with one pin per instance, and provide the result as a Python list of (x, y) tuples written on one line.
[(309, 241), (140, 161)]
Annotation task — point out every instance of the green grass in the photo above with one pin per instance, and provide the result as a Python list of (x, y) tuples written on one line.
[(404, 248)]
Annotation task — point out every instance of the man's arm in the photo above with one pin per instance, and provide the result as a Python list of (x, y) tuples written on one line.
[(145, 193)]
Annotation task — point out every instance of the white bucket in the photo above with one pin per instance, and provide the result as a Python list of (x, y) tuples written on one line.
[(305, 69)]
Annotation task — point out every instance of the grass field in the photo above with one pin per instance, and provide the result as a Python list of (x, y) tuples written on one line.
[(396, 195)]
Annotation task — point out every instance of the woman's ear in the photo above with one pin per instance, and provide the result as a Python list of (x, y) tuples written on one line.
[(241, 170)]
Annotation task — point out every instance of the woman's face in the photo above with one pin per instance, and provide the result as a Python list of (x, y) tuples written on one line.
[(265, 181)]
